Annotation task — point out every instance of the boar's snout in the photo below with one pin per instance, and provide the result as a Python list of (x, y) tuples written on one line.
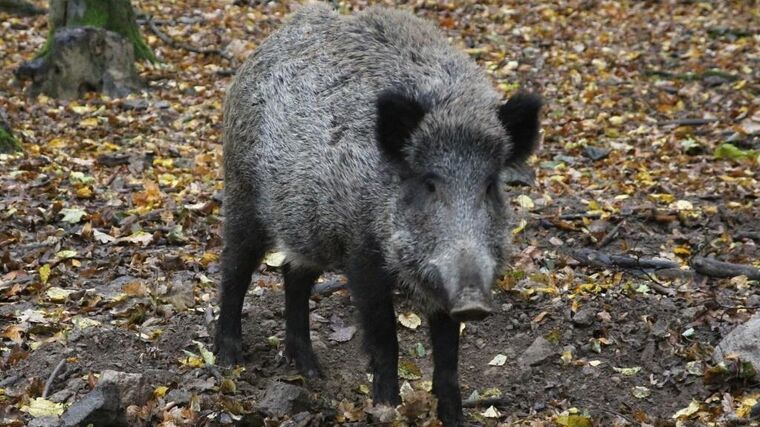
[(472, 303)]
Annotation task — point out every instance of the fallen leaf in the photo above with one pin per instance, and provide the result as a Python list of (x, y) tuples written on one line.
[(409, 320)]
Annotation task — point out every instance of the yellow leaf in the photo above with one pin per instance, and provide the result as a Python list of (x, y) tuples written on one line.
[(89, 122), (573, 421), (13, 333), (409, 320), (160, 391), (57, 294), (491, 412), (44, 273), (274, 259), (688, 411), (66, 254), (84, 322), (40, 407), (207, 356), (84, 192), (525, 202), (498, 360), (520, 227), (682, 250), (191, 361)]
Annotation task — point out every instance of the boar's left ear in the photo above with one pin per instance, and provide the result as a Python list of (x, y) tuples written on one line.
[(397, 117), (519, 116)]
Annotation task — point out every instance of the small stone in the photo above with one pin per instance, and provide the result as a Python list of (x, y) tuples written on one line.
[(60, 396), (133, 388), (596, 153), (44, 422), (178, 396), (743, 341), (101, 406), (285, 399), (584, 317), (539, 351), (135, 104)]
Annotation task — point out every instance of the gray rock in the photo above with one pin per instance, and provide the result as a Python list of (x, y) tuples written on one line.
[(178, 396), (743, 341), (285, 399), (540, 350), (596, 153), (60, 396), (585, 316), (133, 388), (44, 422), (101, 406)]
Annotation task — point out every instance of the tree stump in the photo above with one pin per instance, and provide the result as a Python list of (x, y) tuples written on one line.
[(112, 15), (81, 60), (8, 143)]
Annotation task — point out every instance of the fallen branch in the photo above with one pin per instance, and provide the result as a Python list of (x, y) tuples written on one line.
[(709, 267), (179, 45), (50, 380), (687, 122), (601, 259), (713, 268)]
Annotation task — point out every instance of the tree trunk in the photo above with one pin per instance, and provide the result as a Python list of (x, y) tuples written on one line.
[(8, 143), (92, 46), (20, 7), (112, 15)]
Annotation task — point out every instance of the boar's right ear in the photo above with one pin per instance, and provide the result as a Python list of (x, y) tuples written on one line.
[(519, 115), (397, 117)]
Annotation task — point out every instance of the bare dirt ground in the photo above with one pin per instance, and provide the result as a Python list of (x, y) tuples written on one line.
[(110, 226)]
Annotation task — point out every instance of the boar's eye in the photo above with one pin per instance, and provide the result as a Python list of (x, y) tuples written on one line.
[(430, 185)]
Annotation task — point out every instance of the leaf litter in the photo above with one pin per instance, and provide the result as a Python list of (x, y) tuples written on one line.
[(110, 223)]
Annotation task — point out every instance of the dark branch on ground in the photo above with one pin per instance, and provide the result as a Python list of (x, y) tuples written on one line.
[(709, 267), (179, 45)]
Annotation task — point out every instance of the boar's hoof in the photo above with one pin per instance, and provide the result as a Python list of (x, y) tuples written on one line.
[(306, 362), (229, 352)]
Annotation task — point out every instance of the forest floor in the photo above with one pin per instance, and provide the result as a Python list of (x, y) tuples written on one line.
[(110, 225)]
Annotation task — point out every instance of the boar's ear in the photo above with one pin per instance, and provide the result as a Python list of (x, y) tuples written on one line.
[(397, 117), (519, 116)]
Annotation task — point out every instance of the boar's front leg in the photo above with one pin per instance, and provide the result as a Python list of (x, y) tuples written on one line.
[(371, 289), (298, 284), (444, 333)]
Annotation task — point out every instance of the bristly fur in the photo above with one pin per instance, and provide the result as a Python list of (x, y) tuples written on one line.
[(300, 121), (367, 144)]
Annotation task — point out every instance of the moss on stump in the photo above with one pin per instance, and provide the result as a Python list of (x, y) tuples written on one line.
[(112, 15), (8, 143)]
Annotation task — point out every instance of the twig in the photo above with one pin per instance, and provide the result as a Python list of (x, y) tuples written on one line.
[(714, 268), (659, 287), (179, 45), (610, 236), (50, 380), (687, 122)]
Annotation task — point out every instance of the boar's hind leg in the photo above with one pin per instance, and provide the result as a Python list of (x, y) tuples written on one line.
[(244, 246), (371, 290), (444, 333), (298, 283)]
